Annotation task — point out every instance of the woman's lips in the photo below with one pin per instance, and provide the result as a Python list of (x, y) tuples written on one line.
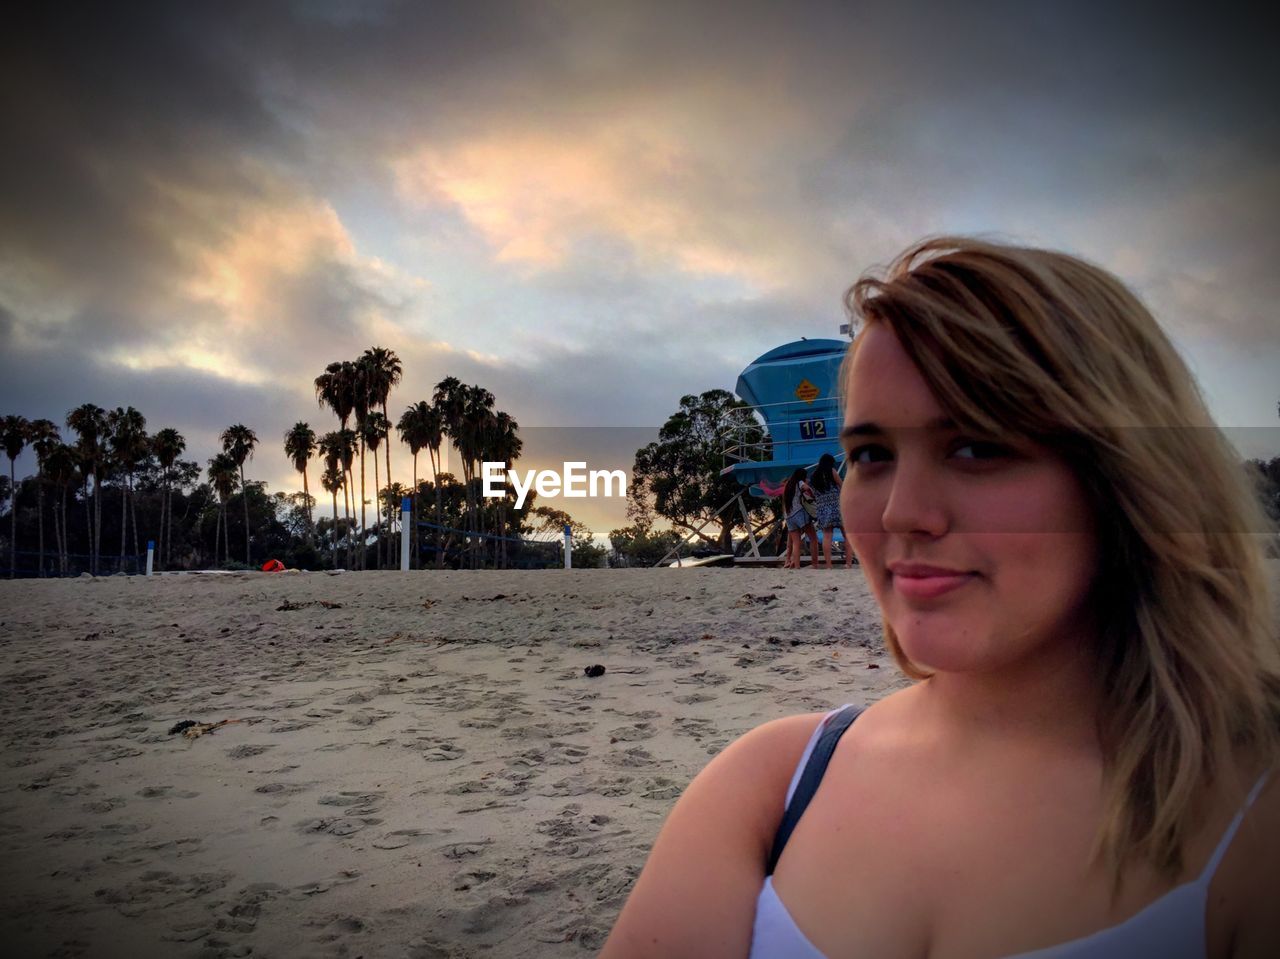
[(928, 585)]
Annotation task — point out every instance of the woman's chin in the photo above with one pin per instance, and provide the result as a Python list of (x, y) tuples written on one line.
[(951, 651)]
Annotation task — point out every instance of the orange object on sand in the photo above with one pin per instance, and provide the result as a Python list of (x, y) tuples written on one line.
[(273, 566)]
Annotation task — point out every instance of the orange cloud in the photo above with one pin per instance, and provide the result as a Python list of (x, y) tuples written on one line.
[(533, 195)]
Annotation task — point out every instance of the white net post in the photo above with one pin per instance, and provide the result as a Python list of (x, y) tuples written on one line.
[(405, 525)]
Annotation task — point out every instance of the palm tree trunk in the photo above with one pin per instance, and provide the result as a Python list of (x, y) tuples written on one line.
[(133, 514), (244, 498), (349, 488), (333, 540), (363, 534), (57, 538), (124, 526), (58, 529), (40, 512), (413, 516), (13, 520), (88, 524), (435, 473), (377, 500), (97, 522), (160, 538), (311, 523)]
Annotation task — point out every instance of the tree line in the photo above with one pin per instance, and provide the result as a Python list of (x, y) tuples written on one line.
[(110, 462)]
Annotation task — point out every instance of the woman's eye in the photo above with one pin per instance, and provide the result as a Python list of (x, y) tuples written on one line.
[(870, 453), (980, 450)]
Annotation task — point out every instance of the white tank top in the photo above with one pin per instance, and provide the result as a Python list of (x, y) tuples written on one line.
[(1172, 927)]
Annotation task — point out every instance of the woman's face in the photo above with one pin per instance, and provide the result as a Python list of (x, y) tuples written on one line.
[(980, 550)]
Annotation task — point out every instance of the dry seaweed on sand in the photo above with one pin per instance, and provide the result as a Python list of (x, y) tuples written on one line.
[(194, 730)]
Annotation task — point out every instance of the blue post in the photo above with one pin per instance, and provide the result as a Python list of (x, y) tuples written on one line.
[(151, 552), (568, 547)]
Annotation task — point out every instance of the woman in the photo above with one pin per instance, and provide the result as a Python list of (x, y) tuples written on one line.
[(826, 490), (1067, 565), (799, 522)]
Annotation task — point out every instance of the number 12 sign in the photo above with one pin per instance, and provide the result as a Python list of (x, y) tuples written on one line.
[(813, 429)]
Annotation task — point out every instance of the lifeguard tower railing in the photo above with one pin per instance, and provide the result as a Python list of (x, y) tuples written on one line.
[(794, 393)]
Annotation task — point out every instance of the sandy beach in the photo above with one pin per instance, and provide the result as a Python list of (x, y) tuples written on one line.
[(419, 766)]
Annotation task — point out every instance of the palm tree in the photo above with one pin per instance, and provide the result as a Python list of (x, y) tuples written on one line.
[(167, 445), (384, 372), (238, 442), (44, 437), (421, 427), (477, 422), (336, 388), (13, 434), (450, 399), (506, 447), (338, 450), (222, 474), (376, 429), (128, 444), (332, 480), (60, 467), (300, 446), (89, 423)]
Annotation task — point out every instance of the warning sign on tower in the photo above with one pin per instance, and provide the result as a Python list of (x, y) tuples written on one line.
[(807, 391)]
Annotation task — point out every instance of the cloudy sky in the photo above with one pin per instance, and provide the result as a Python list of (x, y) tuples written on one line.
[(592, 208)]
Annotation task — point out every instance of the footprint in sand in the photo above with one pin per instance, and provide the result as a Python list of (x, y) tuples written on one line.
[(319, 886), (463, 849), (635, 756), (697, 728), (476, 877), (282, 789), (245, 752), (243, 914), (161, 792), (706, 678), (399, 838), (661, 788), (631, 734), (437, 750), (355, 803), (337, 827), (290, 727), (367, 717), (104, 805), (571, 786), (694, 698), (547, 730), (470, 786)]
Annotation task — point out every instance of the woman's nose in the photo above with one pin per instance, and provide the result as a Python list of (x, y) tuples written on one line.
[(916, 503)]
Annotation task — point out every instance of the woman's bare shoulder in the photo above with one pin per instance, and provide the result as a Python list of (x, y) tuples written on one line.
[(696, 894), (1253, 874)]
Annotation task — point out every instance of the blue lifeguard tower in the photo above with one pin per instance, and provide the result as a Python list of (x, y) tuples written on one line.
[(795, 390)]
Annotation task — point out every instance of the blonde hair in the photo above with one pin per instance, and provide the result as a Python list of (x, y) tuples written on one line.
[(1044, 345)]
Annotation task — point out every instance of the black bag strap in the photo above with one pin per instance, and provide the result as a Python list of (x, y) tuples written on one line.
[(809, 779)]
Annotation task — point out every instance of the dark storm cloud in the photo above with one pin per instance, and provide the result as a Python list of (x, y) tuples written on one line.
[(153, 149)]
